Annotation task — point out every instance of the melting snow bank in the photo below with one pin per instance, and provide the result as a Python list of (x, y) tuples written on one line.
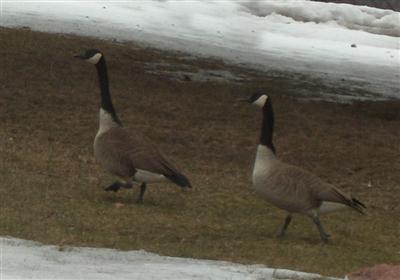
[(384, 22), (295, 37), (21, 259)]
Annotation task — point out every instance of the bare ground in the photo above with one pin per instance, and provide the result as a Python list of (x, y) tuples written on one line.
[(52, 190)]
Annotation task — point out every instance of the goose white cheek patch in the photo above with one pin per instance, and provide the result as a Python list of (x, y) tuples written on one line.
[(261, 101), (94, 59)]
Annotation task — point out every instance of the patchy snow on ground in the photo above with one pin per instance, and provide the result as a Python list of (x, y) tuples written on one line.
[(190, 73), (344, 45), (21, 259), (365, 18)]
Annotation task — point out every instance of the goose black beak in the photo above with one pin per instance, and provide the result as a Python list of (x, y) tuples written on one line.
[(80, 56), (244, 99)]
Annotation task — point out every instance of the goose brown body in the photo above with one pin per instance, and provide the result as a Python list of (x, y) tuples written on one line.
[(124, 155), (288, 187), (294, 189)]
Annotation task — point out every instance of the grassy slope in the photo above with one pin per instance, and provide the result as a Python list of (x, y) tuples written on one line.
[(51, 188)]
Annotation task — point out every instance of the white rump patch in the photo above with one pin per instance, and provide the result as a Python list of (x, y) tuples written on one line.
[(328, 206), (94, 59), (148, 177), (261, 100)]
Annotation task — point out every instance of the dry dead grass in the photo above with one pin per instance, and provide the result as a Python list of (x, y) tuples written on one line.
[(52, 191)]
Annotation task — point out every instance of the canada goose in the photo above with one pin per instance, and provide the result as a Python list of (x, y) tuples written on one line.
[(132, 158), (289, 187)]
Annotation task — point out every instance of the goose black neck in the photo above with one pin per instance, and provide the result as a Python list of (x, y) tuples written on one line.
[(267, 128), (106, 102)]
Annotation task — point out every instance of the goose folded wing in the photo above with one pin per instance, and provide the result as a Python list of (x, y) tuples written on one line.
[(137, 152)]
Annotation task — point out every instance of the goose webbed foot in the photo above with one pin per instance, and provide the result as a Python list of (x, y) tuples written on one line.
[(325, 237), (116, 186), (113, 187), (141, 194), (282, 231)]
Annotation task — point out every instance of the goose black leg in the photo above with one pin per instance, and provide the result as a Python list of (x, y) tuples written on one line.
[(284, 227), (117, 185), (141, 194), (324, 236)]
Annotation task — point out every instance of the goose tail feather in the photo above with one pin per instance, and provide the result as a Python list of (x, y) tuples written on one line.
[(180, 180)]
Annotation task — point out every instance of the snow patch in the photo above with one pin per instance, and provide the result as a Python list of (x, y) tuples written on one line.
[(385, 22), (21, 259), (300, 37), (188, 73)]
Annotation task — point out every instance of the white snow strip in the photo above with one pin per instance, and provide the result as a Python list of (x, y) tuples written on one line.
[(21, 259), (328, 41), (385, 22)]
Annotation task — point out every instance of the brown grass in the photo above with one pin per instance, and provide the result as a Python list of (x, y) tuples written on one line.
[(52, 191)]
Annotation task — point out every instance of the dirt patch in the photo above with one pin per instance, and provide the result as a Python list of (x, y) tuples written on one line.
[(52, 190)]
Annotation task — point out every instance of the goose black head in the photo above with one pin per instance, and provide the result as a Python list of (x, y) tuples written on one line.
[(92, 56), (259, 99)]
